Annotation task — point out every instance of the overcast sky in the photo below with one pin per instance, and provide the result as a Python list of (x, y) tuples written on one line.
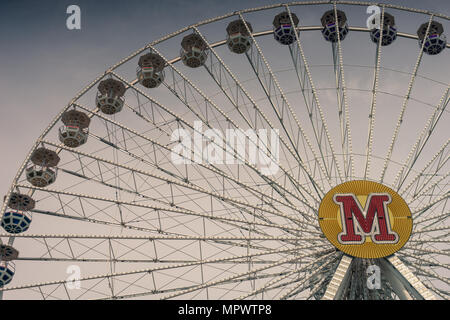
[(43, 65)]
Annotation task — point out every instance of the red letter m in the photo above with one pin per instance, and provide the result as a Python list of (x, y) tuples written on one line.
[(358, 223)]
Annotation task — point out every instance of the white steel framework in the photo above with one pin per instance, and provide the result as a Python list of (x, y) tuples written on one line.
[(140, 226)]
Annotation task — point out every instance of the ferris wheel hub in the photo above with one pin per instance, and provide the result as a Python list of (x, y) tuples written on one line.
[(365, 219)]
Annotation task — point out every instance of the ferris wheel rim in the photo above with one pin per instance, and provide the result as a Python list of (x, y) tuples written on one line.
[(219, 43), (110, 71)]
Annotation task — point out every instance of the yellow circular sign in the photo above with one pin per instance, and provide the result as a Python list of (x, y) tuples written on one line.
[(365, 219)]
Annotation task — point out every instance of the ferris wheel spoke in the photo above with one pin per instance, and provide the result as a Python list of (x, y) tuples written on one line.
[(167, 291), (429, 274), (321, 281), (282, 109), (184, 185), (404, 104), (428, 241), (433, 205), (151, 112), (304, 284), (433, 254), (225, 74), (157, 220), (433, 166), (417, 213), (229, 229), (295, 289), (312, 104), (429, 191), (320, 286), (432, 220), (96, 221), (405, 284), (425, 230), (339, 282), (136, 193), (237, 276), (431, 242), (128, 260), (438, 292), (294, 183), (274, 184), (211, 168), (152, 214), (314, 290), (373, 104), (132, 250), (343, 109), (51, 285), (421, 259), (269, 285), (85, 197), (422, 139), (275, 281)]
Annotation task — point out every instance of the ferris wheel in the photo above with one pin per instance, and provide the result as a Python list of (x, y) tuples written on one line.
[(248, 156)]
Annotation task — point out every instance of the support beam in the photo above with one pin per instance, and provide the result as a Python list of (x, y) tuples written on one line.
[(405, 284), (338, 282)]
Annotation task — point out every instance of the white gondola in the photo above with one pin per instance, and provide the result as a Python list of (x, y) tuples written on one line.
[(110, 96), (150, 72), (40, 174), (193, 51), (75, 131), (238, 37)]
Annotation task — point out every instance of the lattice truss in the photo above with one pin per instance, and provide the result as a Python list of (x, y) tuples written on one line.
[(140, 226)]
